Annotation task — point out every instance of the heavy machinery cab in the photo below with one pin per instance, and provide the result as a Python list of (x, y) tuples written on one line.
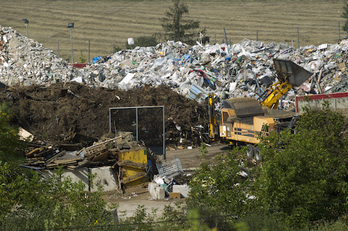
[(243, 120)]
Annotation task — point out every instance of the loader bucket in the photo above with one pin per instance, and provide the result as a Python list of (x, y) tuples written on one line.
[(295, 74)]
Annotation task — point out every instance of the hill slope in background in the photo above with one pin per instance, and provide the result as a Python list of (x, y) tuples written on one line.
[(105, 24)]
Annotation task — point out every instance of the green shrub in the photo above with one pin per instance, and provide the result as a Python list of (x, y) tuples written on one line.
[(144, 41), (29, 201), (303, 177), (10, 146)]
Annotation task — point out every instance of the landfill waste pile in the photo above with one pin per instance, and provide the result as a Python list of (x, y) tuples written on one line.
[(27, 62), (241, 69), (99, 153), (126, 158)]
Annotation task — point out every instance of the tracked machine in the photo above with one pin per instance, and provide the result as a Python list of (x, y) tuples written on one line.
[(242, 120)]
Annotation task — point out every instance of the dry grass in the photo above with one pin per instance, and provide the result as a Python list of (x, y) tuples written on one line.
[(109, 23)]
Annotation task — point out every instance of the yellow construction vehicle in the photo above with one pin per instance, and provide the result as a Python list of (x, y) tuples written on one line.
[(289, 75), (243, 119)]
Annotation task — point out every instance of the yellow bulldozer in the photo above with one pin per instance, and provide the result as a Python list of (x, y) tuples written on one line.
[(241, 120)]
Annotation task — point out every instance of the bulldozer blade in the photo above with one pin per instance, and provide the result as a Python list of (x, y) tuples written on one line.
[(295, 74)]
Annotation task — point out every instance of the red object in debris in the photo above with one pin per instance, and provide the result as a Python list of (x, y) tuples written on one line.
[(79, 65)]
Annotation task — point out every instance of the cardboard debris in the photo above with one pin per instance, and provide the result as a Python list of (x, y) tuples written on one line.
[(25, 135)]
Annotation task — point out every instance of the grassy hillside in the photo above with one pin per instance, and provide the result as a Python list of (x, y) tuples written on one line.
[(109, 23)]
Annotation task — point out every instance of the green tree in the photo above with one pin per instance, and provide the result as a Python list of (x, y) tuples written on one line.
[(304, 175), (345, 16), (176, 27), (9, 139), (30, 202), (219, 189)]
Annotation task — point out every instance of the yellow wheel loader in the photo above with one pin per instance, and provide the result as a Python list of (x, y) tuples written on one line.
[(242, 120)]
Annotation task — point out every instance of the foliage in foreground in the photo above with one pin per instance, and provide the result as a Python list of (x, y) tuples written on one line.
[(9, 139), (304, 176), (28, 201), (219, 188), (301, 182)]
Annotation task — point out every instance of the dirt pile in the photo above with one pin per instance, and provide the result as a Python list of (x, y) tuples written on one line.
[(64, 112)]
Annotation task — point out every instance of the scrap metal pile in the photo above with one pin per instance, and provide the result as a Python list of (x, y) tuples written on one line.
[(126, 157), (101, 152)]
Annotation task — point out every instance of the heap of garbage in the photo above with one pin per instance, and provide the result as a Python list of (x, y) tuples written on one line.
[(127, 162), (241, 69), (26, 62)]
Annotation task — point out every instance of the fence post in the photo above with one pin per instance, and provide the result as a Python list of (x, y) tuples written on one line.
[(115, 215), (225, 36), (298, 38), (58, 48), (89, 50), (339, 31)]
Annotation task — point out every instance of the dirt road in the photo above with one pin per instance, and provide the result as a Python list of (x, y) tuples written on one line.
[(189, 158)]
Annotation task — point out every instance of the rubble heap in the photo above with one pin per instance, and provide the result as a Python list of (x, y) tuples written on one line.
[(52, 98), (125, 157), (26, 62), (101, 153), (242, 69)]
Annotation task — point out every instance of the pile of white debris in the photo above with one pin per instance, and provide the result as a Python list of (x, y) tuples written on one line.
[(234, 70)]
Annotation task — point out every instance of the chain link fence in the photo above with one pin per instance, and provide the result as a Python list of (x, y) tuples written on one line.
[(146, 123)]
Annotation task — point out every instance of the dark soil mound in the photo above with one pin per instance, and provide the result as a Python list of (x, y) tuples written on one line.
[(56, 112)]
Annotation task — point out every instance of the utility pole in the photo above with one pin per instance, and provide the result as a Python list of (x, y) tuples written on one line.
[(71, 26), (26, 21)]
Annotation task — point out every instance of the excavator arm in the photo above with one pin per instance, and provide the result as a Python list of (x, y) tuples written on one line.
[(289, 75), (277, 91)]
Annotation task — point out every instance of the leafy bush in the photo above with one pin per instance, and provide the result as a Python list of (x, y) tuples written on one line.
[(173, 218), (303, 177), (219, 190), (29, 201), (144, 41), (10, 147)]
